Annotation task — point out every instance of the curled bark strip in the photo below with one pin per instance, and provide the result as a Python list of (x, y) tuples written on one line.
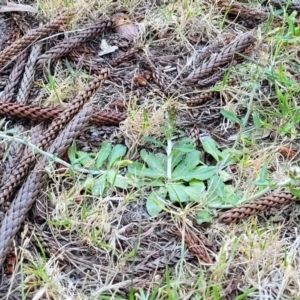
[(16, 157), (293, 4), (14, 78), (88, 63), (125, 57), (238, 45), (71, 43), (244, 11), (36, 180), (256, 206), (46, 114), (194, 244), (15, 153), (32, 36), (28, 76), (200, 99)]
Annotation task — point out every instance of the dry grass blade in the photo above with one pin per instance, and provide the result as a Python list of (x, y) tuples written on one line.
[(69, 44), (256, 206), (238, 45), (32, 36)]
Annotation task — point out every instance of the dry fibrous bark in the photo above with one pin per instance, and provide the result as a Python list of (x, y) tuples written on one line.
[(90, 64), (241, 10), (226, 55), (256, 206), (45, 114), (56, 126), (3, 82), (14, 78), (32, 36), (48, 244), (292, 4), (71, 43), (201, 98), (211, 80), (15, 157), (126, 56), (28, 75), (193, 241), (26, 196), (15, 153)]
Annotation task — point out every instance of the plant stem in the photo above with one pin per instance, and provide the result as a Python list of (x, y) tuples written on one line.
[(49, 155), (285, 182), (169, 158)]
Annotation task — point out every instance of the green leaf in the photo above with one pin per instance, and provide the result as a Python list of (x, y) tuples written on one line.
[(116, 180), (99, 185), (210, 147), (231, 197), (190, 161), (72, 153), (182, 193), (123, 163), (163, 159), (154, 141), (203, 216), (117, 152), (295, 192), (200, 173), (234, 155), (225, 176), (184, 147), (256, 120), (153, 162), (156, 202), (139, 170), (216, 186), (177, 193), (103, 154), (177, 158), (230, 116), (194, 191), (84, 159), (143, 182), (88, 182)]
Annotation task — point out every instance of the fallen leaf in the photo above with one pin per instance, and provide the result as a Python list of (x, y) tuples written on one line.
[(140, 80), (287, 152), (106, 48), (124, 27)]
